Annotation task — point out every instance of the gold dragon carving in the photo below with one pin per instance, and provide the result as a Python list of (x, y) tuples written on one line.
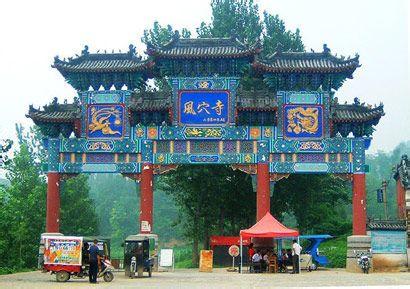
[(303, 120), (100, 120)]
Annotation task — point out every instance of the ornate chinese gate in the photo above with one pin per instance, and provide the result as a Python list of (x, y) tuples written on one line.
[(289, 123)]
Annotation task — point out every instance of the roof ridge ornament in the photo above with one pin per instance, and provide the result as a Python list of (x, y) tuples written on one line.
[(132, 50), (326, 49), (279, 48), (85, 51), (176, 35)]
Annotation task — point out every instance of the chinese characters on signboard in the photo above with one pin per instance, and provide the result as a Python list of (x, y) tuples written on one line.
[(203, 107)]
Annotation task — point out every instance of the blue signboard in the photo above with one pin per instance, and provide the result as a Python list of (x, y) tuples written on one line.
[(380, 196), (105, 121), (204, 107), (393, 242), (303, 121)]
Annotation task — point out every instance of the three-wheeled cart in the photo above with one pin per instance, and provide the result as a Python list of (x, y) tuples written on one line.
[(137, 259), (67, 256)]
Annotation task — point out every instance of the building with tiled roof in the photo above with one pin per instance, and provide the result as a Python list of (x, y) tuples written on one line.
[(104, 69), (203, 48), (306, 62), (356, 118), (387, 225), (205, 57), (56, 118), (207, 101)]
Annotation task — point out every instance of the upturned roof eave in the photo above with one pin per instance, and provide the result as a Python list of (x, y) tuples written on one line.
[(268, 68)]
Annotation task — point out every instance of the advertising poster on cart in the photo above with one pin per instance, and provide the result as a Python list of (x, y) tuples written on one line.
[(63, 250)]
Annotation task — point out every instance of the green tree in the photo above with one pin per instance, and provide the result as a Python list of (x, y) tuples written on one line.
[(382, 166), (209, 198), (116, 202), (74, 199), (23, 204), (318, 202), (5, 146), (159, 35), (275, 32), (233, 18), (240, 19)]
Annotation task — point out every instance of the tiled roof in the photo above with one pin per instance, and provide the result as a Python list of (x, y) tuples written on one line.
[(203, 48), (355, 113), (102, 62), (56, 113), (306, 62), (389, 225)]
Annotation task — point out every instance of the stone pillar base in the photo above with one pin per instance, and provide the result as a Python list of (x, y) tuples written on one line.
[(355, 245)]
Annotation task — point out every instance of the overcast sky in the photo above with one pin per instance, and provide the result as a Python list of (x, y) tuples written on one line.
[(33, 32)]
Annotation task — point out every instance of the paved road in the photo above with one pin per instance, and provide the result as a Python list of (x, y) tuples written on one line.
[(220, 279)]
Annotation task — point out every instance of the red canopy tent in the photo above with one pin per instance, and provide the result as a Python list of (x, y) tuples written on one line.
[(267, 227)]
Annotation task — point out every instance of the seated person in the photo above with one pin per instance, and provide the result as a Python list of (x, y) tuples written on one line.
[(289, 260), (257, 261), (283, 259), (266, 258)]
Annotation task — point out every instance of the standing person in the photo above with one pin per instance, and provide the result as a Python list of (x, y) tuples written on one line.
[(251, 252), (296, 249), (94, 258)]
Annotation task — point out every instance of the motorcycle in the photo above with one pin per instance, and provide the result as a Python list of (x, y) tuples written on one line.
[(105, 272), (363, 261)]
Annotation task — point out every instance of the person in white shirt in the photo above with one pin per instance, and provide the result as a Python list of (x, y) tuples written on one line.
[(296, 249), (256, 257), (256, 262)]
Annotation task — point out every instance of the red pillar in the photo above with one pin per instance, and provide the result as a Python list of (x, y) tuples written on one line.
[(401, 200), (359, 204), (147, 200), (262, 191), (53, 203)]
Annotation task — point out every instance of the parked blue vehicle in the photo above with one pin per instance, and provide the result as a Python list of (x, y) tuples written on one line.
[(313, 248)]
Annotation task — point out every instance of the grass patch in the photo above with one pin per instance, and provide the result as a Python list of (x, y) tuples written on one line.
[(335, 250), (6, 270), (183, 256)]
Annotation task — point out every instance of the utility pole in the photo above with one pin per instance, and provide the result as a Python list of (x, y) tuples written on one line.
[(384, 188)]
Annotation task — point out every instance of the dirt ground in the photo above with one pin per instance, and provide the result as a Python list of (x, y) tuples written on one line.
[(220, 278)]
